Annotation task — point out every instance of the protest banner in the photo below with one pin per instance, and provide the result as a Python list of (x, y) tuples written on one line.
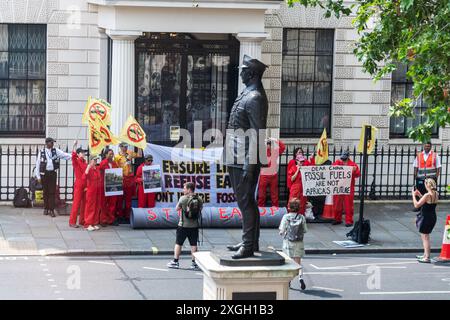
[(212, 217), (326, 180), (151, 176), (202, 167), (113, 182)]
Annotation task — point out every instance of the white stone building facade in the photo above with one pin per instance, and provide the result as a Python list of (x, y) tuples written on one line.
[(110, 49)]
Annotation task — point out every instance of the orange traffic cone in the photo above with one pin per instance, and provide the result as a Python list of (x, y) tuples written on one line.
[(328, 212), (445, 251)]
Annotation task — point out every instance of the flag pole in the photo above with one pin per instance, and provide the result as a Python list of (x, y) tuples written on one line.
[(362, 191)]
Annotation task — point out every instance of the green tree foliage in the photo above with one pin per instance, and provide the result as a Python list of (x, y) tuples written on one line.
[(413, 32)]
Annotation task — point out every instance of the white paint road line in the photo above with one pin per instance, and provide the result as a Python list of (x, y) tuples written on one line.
[(329, 289), (402, 292), (362, 265), (335, 273), (100, 262), (156, 269)]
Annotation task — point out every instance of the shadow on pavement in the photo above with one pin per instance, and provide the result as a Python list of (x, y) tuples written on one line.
[(319, 293)]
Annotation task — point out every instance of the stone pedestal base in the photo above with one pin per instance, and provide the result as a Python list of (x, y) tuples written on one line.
[(249, 282)]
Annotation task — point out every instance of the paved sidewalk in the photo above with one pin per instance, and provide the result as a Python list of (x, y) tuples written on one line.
[(28, 232)]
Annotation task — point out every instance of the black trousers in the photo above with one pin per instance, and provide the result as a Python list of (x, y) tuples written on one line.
[(244, 191), (49, 188)]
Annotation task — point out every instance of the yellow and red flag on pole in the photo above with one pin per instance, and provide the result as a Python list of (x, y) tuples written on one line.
[(370, 142), (133, 134), (97, 108), (322, 148), (100, 136)]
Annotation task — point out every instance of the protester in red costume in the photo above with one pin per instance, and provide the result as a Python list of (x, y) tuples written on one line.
[(269, 176), (296, 189), (345, 202), (145, 200), (79, 193), (94, 189), (124, 160), (108, 204)]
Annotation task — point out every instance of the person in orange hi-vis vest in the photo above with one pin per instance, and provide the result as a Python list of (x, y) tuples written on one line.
[(79, 193), (344, 202), (296, 189), (124, 160), (145, 200), (94, 189), (427, 164), (108, 204), (269, 176)]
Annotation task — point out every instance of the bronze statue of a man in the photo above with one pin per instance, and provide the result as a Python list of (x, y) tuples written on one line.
[(245, 152)]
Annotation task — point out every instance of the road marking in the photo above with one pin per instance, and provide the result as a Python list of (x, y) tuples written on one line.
[(446, 279), (57, 292), (199, 273), (51, 280), (440, 267), (155, 250), (54, 286), (335, 273), (148, 268), (393, 267), (329, 289), (361, 265), (43, 265), (100, 262), (402, 292), (48, 274)]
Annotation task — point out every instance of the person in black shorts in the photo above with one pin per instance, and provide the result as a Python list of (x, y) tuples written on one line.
[(187, 228), (426, 218)]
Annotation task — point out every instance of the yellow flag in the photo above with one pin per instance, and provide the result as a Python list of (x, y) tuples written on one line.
[(370, 142), (97, 108), (133, 134), (100, 136), (322, 148)]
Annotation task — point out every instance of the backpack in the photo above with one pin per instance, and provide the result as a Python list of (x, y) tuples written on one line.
[(295, 229), (194, 208), (21, 199), (365, 235)]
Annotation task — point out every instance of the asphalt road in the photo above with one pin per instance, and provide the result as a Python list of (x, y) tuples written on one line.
[(394, 276)]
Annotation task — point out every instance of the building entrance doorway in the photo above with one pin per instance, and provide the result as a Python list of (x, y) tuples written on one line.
[(184, 78)]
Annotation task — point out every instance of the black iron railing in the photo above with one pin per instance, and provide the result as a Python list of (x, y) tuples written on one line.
[(389, 175), (390, 171)]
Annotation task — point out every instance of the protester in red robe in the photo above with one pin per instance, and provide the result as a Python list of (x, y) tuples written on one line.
[(145, 200), (269, 176), (345, 202), (79, 193), (295, 177), (108, 204), (94, 189)]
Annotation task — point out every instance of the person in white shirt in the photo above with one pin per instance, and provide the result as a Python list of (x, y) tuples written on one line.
[(47, 164)]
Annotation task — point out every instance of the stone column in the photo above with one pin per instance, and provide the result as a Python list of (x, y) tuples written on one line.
[(123, 77), (250, 44)]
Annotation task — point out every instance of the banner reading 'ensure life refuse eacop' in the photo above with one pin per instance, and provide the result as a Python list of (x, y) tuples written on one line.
[(202, 167)]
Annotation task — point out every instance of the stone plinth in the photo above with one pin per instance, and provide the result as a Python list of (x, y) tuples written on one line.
[(249, 282)]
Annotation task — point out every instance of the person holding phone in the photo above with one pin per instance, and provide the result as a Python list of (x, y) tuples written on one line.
[(426, 218)]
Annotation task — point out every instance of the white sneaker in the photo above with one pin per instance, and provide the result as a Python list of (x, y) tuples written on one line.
[(97, 227), (90, 228)]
